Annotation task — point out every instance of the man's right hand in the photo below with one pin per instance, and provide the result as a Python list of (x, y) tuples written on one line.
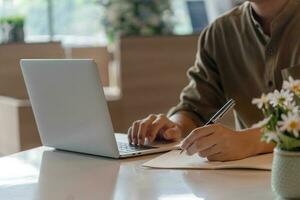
[(154, 127)]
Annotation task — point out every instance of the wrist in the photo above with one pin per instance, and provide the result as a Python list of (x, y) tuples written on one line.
[(183, 122), (178, 125), (254, 143)]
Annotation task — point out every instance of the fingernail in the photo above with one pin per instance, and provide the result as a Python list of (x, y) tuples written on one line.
[(141, 142), (167, 135), (182, 146)]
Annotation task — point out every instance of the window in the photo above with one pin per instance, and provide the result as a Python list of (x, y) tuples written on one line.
[(74, 22), (214, 8), (78, 22), (34, 11)]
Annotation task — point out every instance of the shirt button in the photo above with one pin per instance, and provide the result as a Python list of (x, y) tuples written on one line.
[(270, 51), (270, 84)]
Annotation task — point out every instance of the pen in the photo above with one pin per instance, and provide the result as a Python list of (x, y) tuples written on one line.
[(218, 115)]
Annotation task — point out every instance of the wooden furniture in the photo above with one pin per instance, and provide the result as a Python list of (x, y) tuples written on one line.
[(17, 126), (18, 129), (11, 80), (45, 174), (99, 54)]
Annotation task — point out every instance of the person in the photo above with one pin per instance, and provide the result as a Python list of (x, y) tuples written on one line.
[(240, 55)]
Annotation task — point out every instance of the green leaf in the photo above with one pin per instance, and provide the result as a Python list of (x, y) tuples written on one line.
[(288, 143), (14, 20)]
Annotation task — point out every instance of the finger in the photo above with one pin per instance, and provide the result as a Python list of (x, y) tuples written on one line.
[(216, 157), (160, 123), (135, 129), (129, 135), (172, 134), (210, 151), (143, 128), (202, 144), (198, 133)]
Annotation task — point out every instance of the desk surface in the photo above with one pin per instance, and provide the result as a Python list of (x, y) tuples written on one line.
[(43, 173)]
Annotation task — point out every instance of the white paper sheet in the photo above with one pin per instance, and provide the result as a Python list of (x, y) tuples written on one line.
[(173, 160)]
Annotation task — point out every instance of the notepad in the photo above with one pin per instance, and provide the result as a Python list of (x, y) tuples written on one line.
[(175, 160)]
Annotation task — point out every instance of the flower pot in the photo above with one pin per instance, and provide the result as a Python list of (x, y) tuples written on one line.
[(11, 33), (286, 174)]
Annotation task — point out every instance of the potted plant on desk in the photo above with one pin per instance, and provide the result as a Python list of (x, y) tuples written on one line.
[(282, 127), (12, 29)]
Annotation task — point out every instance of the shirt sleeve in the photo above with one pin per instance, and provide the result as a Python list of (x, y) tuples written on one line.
[(204, 95)]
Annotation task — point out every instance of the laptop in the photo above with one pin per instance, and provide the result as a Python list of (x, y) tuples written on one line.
[(71, 111)]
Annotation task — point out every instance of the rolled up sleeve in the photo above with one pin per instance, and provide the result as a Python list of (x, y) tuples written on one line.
[(204, 94)]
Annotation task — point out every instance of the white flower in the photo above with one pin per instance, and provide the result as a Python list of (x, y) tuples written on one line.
[(292, 107), (292, 85), (262, 123), (290, 123), (272, 136), (282, 98), (261, 102)]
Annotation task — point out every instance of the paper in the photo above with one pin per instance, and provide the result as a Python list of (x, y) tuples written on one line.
[(173, 160)]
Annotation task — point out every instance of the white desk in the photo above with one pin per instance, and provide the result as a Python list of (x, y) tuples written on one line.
[(42, 173)]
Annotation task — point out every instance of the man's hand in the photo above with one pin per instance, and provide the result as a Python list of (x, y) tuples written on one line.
[(154, 127), (218, 143)]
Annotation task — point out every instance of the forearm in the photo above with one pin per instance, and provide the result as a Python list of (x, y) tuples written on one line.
[(256, 146), (185, 122)]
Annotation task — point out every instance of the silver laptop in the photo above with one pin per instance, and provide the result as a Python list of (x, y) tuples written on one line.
[(71, 112)]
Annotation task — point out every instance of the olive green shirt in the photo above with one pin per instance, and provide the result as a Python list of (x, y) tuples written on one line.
[(235, 59)]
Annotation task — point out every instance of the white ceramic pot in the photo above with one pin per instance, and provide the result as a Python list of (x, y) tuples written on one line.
[(286, 174)]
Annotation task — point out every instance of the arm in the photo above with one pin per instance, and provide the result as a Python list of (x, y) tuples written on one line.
[(204, 94)]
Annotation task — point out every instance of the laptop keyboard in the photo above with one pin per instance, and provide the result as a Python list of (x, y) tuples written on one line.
[(129, 148)]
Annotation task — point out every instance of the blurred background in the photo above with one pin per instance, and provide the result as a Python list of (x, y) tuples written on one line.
[(143, 49)]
